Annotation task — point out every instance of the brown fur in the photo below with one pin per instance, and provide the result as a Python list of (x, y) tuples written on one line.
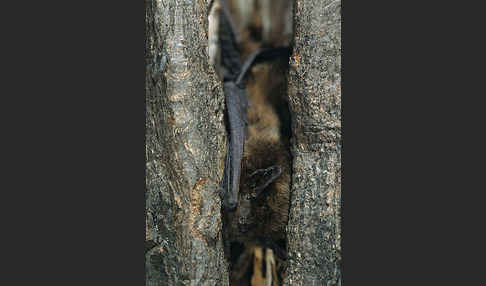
[(262, 23), (256, 267), (266, 146)]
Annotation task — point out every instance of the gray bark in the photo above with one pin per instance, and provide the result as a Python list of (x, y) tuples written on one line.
[(314, 233), (185, 148)]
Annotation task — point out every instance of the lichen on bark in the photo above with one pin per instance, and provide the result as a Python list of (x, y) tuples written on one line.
[(314, 234), (185, 143)]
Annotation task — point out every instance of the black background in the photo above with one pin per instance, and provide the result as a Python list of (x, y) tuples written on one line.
[(73, 136)]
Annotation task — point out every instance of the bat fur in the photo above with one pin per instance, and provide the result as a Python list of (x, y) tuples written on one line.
[(256, 267), (261, 213), (253, 60)]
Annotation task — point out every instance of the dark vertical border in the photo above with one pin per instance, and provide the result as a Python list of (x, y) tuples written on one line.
[(81, 88), (110, 246), (408, 102), (373, 245)]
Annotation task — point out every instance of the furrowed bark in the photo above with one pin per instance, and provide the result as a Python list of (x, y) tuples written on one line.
[(185, 148), (314, 233)]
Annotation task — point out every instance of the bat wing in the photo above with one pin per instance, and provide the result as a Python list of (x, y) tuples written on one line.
[(237, 100), (260, 56), (236, 105)]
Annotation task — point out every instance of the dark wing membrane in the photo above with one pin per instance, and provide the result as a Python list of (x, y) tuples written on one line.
[(260, 56), (236, 107)]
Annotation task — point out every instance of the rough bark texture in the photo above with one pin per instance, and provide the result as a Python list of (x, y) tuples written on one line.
[(185, 148), (314, 233)]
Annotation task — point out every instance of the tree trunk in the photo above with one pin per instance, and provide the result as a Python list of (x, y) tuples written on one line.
[(185, 148), (186, 143), (314, 233)]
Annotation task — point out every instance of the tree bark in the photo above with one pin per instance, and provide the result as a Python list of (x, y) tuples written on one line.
[(186, 143), (185, 148), (314, 233)]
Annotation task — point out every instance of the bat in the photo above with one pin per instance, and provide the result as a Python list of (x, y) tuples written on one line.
[(233, 71), (263, 203), (250, 54)]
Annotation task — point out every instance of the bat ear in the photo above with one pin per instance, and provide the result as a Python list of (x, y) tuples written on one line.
[(261, 178)]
